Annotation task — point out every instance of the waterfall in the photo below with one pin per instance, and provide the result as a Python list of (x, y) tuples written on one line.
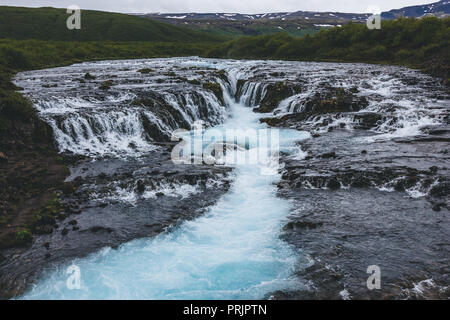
[(118, 127), (232, 252)]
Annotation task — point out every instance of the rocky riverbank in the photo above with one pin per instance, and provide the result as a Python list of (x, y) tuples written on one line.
[(57, 206), (371, 187)]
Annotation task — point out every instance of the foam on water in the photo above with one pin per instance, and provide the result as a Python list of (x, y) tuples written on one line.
[(232, 252)]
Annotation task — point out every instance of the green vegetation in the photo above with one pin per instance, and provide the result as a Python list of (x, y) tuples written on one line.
[(44, 220), (23, 236), (422, 43), (145, 70), (89, 76), (50, 24), (106, 85)]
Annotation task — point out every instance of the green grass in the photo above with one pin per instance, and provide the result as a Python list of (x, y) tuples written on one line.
[(50, 24), (34, 54), (420, 43)]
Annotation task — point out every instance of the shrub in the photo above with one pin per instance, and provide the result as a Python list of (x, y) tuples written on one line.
[(23, 236)]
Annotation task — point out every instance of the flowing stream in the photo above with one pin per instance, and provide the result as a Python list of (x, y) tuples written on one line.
[(361, 178), (232, 252)]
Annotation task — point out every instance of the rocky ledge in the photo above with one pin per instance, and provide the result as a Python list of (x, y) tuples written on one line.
[(362, 198)]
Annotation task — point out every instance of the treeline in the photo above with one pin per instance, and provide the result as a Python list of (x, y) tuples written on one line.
[(421, 43)]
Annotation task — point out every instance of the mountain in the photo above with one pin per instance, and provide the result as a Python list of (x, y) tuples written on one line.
[(266, 16), (50, 24), (439, 9), (296, 23)]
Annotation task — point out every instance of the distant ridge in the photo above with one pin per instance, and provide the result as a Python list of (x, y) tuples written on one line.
[(255, 17), (439, 9)]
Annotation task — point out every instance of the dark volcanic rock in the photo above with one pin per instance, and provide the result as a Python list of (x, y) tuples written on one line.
[(276, 92), (334, 100), (441, 190)]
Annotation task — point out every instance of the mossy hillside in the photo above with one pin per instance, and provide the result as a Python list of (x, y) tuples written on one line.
[(50, 24)]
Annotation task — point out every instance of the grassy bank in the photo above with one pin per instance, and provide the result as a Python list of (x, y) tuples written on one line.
[(419, 43)]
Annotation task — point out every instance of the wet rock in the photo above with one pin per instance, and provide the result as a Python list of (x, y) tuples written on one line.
[(145, 70), (102, 176), (89, 76), (437, 207), (73, 210), (441, 190), (366, 120), (433, 169), (333, 184), (68, 188), (64, 231), (399, 186), (334, 100), (140, 187), (302, 225), (96, 229), (106, 85), (216, 89), (328, 155), (361, 182), (275, 93)]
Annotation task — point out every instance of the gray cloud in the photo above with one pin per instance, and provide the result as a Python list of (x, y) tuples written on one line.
[(232, 6)]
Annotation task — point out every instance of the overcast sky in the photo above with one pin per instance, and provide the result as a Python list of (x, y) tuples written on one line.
[(231, 6)]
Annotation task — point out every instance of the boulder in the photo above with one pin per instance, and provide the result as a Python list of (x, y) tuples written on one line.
[(277, 92)]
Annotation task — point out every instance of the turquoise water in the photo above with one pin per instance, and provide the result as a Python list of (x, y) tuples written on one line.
[(231, 252)]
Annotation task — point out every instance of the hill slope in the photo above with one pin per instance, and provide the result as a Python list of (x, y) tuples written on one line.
[(50, 24), (438, 9), (297, 23)]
